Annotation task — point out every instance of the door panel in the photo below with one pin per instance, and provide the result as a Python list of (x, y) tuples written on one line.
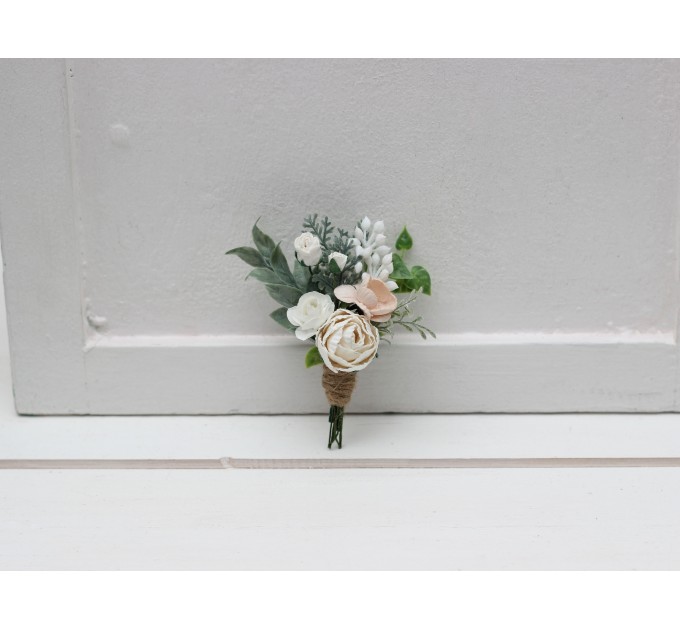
[(541, 194)]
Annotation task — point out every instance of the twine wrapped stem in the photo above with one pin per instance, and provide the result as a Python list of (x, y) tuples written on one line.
[(338, 387)]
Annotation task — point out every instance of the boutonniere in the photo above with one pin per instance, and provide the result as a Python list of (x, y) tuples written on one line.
[(340, 296)]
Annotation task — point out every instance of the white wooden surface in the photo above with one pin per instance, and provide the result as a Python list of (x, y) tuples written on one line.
[(482, 519), (542, 195), (371, 436), (592, 518)]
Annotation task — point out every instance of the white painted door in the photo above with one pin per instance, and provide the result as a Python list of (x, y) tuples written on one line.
[(542, 195)]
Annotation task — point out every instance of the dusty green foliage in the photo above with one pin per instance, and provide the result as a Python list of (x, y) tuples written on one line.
[(322, 229), (286, 285), (404, 317), (272, 269), (280, 317), (249, 256), (264, 243), (325, 275)]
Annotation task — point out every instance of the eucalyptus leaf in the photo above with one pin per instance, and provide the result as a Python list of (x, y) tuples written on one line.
[(264, 275), (401, 271), (248, 255), (404, 241), (283, 294), (264, 243), (421, 278), (313, 357), (280, 266), (302, 275), (280, 317), (333, 266)]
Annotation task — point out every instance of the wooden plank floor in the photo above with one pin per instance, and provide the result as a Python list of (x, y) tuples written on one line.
[(340, 519)]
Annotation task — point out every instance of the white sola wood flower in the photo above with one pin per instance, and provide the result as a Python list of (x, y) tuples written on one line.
[(312, 311), (339, 258), (347, 342), (308, 248), (370, 247)]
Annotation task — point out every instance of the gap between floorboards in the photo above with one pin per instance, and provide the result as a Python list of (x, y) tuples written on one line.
[(227, 463)]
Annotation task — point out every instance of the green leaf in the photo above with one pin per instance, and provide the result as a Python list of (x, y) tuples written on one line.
[(405, 286), (248, 255), (401, 271), (302, 275), (280, 266), (334, 267), (313, 357), (264, 243), (421, 278), (283, 294), (404, 241), (264, 275), (280, 317)]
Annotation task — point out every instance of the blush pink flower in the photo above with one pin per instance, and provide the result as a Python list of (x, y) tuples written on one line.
[(373, 297)]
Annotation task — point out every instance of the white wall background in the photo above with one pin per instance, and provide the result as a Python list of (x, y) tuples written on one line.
[(542, 196)]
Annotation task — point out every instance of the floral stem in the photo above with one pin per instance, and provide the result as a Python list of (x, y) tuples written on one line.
[(335, 417)]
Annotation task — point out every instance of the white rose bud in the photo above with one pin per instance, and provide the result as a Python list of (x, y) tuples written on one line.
[(347, 342), (340, 259), (308, 248), (312, 311)]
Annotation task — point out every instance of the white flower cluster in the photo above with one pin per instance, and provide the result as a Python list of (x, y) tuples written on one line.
[(369, 242), (309, 251)]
